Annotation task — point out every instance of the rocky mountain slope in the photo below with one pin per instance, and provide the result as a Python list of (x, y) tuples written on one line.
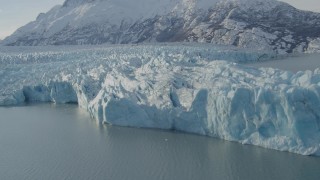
[(263, 24)]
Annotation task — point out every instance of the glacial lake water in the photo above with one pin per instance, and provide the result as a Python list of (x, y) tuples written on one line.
[(47, 141), (294, 63)]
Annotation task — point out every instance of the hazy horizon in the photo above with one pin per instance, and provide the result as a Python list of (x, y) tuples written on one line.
[(14, 13)]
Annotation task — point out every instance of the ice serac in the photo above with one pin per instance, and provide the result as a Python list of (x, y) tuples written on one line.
[(265, 107), (267, 24), (180, 87), (57, 92)]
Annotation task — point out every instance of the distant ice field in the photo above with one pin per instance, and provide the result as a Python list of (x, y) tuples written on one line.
[(196, 88)]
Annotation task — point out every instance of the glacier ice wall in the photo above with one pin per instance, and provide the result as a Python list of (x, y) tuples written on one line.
[(170, 87)]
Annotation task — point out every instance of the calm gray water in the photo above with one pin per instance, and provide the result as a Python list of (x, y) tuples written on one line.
[(46, 141), (295, 63)]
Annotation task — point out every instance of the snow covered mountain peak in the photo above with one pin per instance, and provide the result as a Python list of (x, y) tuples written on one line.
[(268, 24), (76, 2), (147, 4), (134, 4)]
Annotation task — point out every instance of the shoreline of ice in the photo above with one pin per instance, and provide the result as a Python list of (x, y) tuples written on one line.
[(174, 87)]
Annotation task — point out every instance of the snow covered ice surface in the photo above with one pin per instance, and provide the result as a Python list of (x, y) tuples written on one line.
[(187, 87)]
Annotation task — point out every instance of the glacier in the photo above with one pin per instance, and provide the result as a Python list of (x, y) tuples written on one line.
[(195, 88)]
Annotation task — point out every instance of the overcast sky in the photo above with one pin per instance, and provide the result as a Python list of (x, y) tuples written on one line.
[(15, 13)]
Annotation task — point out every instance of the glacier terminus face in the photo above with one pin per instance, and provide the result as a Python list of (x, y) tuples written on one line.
[(187, 87)]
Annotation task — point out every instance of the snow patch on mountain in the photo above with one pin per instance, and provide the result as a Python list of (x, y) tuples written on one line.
[(180, 87), (314, 45)]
